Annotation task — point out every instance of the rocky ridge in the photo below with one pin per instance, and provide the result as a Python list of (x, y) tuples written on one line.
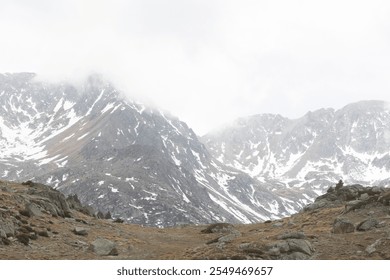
[(348, 222)]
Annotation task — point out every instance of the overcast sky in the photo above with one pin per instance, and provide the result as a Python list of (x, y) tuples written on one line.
[(208, 62)]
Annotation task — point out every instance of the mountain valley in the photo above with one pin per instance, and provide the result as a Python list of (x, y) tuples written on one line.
[(147, 167)]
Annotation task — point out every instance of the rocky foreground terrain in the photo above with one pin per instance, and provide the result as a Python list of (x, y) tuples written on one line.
[(38, 222)]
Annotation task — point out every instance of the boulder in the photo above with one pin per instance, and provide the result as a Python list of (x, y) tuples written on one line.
[(351, 192), (343, 225), (7, 227), (384, 198), (291, 249), (367, 224), (80, 231), (231, 236), (302, 246), (254, 249), (104, 247), (294, 235), (281, 246), (372, 248), (296, 256), (33, 210), (43, 233)]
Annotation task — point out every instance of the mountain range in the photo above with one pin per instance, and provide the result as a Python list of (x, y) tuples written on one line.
[(310, 153), (140, 164), (148, 167)]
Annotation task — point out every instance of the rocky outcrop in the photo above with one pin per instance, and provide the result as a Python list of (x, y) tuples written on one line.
[(351, 196), (49, 199), (34, 201)]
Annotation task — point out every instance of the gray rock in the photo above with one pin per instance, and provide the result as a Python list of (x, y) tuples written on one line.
[(33, 210), (353, 204), (372, 248), (51, 200), (296, 256), (43, 233), (274, 252), (282, 246), (253, 249), (80, 231), (299, 245), (293, 235), (243, 246), (318, 204), (367, 224), (7, 227), (3, 234), (384, 198), (104, 247), (343, 225), (330, 189), (377, 190), (227, 238)]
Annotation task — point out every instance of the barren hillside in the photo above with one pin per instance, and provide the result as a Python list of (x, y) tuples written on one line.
[(38, 222)]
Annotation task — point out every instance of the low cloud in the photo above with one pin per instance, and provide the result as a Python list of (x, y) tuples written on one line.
[(207, 62)]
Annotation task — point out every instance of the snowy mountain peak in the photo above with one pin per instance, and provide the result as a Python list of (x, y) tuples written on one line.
[(310, 153), (120, 156)]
